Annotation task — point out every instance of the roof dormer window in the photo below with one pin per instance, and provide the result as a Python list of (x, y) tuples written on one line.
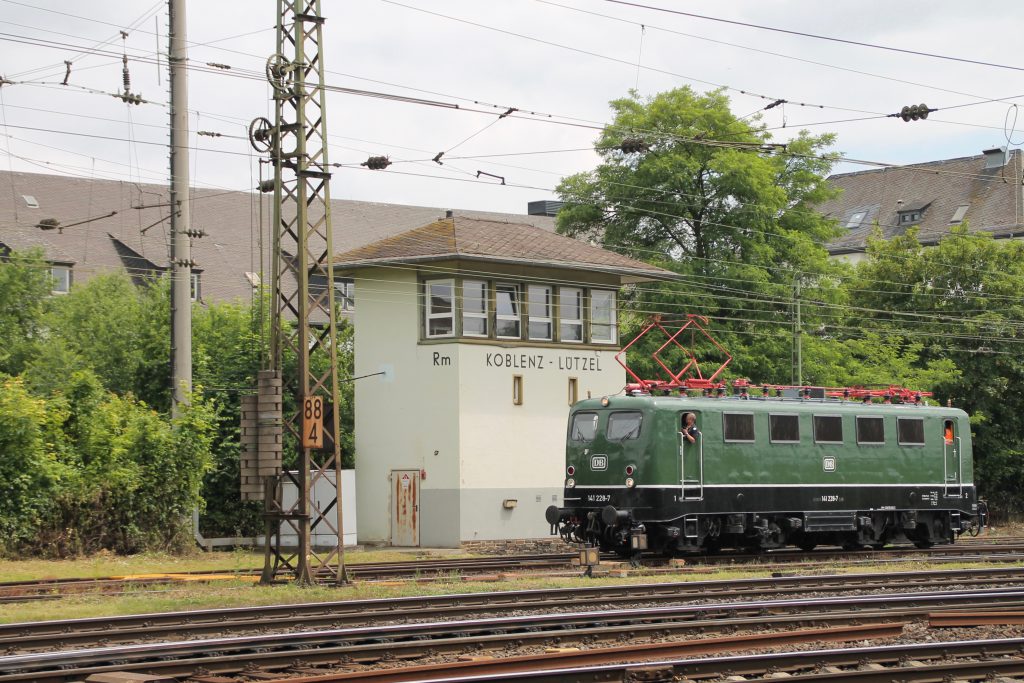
[(910, 217), (911, 212), (856, 219)]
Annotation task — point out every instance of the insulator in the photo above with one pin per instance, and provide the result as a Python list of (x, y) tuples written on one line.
[(914, 112), (194, 233), (633, 146), (126, 77), (267, 186), (376, 163)]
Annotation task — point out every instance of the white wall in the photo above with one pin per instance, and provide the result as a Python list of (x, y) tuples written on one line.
[(403, 418), (518, 451)]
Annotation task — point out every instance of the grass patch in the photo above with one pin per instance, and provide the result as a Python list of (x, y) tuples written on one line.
[(108, 564)]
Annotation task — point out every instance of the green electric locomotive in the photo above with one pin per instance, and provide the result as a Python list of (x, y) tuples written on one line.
[(764, 472)]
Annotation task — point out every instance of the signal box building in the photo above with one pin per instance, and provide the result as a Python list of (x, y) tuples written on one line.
[(472, 338)]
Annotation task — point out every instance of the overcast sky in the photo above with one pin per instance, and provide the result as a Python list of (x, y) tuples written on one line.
[(386, 47)]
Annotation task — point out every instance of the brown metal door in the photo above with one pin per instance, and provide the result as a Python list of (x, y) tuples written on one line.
[(405, 508)]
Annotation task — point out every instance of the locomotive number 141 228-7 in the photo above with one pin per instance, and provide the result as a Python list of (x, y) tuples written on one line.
[(599, 497)]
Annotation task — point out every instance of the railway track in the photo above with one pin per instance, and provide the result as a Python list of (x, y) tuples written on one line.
[(683, 597), (49, 589), (1008, 549), (910, 663), (635, 635)]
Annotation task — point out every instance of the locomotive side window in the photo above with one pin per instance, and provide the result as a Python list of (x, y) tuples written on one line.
[(828, 429), (584, 427), (784, 428), (910, 431), (870, 430), (738, 426), (624, 425)]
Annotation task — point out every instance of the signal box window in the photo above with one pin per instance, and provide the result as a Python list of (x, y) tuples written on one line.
[(828, 429), (507, 325), (784, 428), (474, 308), (584, 427), (870, 430), (910, 431), (624, 426), (539, 311), (602, 317), (440, 309), (570, 313), (738, 426)]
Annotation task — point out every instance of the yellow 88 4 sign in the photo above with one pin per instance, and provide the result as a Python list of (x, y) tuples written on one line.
[(313, 422)]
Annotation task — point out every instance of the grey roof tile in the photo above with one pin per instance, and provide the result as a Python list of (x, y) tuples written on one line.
[(995, 199)]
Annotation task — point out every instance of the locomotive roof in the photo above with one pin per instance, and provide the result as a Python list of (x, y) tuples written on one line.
[(763, 405)]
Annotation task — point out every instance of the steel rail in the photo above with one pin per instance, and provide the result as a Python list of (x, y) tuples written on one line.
[(372, 644), (953, 660), (64, 633)]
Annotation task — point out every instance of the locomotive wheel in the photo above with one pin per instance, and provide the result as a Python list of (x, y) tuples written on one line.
[(923, 545)]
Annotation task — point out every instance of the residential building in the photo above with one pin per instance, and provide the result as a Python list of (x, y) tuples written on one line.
[(984, 190)]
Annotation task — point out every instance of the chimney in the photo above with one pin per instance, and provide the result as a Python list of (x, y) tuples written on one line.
[(995, 157), (544, 207), (448, 213)]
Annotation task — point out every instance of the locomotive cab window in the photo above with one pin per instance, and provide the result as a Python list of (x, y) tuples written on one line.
[(910, 431), (624, 425), (784, 428), (870, 430), (738, 427), (828, 429), (583, 427)]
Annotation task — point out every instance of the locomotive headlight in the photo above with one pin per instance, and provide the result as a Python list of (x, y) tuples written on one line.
[(630, 483), (570, 483), (630, 470), (570, 470)]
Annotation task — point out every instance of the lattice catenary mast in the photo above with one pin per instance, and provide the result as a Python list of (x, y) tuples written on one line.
[(303, 313)]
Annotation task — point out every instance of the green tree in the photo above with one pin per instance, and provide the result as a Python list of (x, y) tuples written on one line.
[(30, 468), (25, 284), (709, 198), (962, 302)]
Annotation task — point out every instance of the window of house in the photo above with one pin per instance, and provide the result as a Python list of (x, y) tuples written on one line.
[(61, 279), (738, 426), (507, 317), (856, 219), (196, 290), (870, 430), (517, 390), (624, 425), (910, 431), (907, 217), (959, 214), (784, 428), (583, 427), (538, 310), (440, 318), (254, 279), (475, 308), (570, 314), (574, 390), (828, 429), (602, 316), (345, 295)]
